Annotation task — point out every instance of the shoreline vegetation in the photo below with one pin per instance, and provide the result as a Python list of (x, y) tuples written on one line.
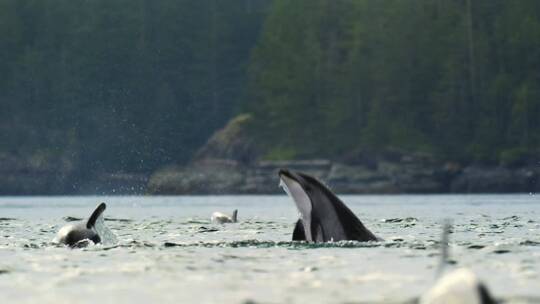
[(228, 164), (181, 97), (406, 174)]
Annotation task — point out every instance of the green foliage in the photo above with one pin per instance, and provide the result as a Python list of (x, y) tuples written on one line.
[(456, 78), (120, 85), (280, 153), (515, 156)]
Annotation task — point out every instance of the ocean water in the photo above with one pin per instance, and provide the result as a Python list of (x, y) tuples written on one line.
[(166, 250)]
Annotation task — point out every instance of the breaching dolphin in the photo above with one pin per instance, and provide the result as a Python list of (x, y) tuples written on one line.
[(323, 216), (455, 286), (71, 234), (222, 218)]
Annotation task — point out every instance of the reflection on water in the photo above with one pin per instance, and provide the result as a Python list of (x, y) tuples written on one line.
[(165, 249)]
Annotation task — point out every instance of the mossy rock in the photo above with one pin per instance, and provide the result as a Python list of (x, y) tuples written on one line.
[(233, 142)]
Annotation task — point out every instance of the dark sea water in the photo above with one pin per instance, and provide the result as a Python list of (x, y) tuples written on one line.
[(166, 250)]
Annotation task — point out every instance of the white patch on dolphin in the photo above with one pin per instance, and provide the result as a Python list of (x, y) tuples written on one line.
[(301, 200)]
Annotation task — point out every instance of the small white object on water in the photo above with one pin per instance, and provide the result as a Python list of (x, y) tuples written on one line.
[(218, 217)]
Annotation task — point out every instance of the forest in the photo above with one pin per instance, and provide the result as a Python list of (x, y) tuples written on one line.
[(459, 79), (120, 85), (132, 86)]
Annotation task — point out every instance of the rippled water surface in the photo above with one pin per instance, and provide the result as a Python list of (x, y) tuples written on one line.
[(168, 251)]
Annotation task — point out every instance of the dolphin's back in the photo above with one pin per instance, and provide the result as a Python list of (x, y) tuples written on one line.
[(71, 234), (81, 233), (332, 219), (353, 227)]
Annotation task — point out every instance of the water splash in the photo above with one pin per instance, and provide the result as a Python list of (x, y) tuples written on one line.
[(107, 236)]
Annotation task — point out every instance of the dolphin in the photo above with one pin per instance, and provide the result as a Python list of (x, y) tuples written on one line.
[(459, 285), (222, 218), (71, 234), (323, 216)]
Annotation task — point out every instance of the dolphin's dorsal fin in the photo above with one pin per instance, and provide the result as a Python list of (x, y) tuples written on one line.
[(485, 296), (95, 215), (235, 216), (447, 226)]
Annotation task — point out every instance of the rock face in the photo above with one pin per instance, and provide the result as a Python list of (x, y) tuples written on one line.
[(496, 180), (228, 164), (211, 176), (261, 177), (229, 177), (230, 143)]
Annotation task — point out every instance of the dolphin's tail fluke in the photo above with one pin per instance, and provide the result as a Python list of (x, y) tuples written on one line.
[(235, 216), (95, 215)]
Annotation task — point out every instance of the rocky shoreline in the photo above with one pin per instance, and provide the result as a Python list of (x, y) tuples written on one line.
[(408, 175), (230, 163), (57, 176)]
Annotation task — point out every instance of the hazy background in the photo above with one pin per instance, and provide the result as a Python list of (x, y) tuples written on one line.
[(89, 88)]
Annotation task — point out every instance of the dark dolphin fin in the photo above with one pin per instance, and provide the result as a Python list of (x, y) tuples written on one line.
[(95, 215), (485, 296), (336, 221), (235, 216), (298, 233), (354, 229)]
